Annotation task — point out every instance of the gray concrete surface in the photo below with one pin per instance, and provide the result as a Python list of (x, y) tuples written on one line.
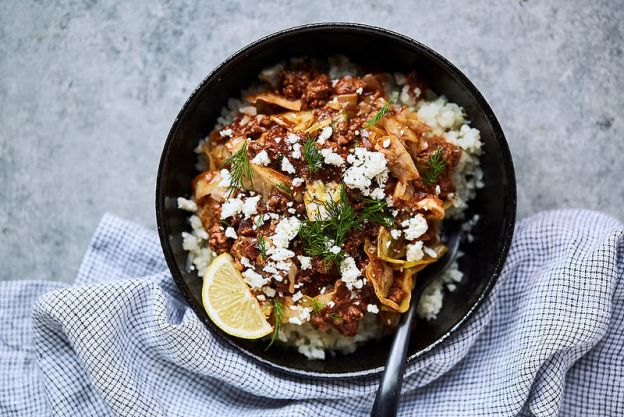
[(88, 90)]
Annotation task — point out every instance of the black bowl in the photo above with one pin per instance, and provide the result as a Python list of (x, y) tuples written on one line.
[(373, 47)]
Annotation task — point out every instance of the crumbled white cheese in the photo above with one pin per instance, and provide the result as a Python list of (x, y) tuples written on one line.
[(325, 134), (438, 190), (292, 138), (430, 252), (372, 308), (245, 262), (291, 211), (349, 273), (281, 254), (414, 252), (261, 297), (269, 268), (226, 178), (296, 182), (359, 90), (296, 151), (332, 158), (305, 261), (225, 132), (231, 207), (231, 233), (335, 250), (297, 296), (414, 227), (285, 231), (250, 206), (287, 166), (365, 166), (262, 158), (254, 279), (386, 143), (378, 193), (277, 139), (395, 233), (188, 205), (295, 320)]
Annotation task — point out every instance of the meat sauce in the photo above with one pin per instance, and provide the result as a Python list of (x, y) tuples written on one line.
[(317, 94)]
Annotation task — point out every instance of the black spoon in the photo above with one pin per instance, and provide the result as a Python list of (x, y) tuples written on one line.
[(389, 391)]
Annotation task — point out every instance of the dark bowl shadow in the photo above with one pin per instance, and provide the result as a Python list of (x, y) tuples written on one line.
[(371, 47)]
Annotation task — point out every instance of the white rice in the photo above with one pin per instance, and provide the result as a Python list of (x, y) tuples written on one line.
[(446, 119)]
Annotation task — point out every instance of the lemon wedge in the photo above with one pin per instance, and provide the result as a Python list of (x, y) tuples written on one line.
[(229, 302)]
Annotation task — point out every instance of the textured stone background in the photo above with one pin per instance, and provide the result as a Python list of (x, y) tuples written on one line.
[(88, 90)]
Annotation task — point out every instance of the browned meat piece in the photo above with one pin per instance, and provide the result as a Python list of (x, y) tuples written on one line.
[(244, 247), (277, 202), (396, 293), (349, 85), (294, 83), (210, 215), (317, 91)]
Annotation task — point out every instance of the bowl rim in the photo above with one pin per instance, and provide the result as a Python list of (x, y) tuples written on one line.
[(511, 193)]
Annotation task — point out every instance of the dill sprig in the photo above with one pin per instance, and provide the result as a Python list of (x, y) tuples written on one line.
[(376, 211), (382, 112), (262, 246), (278, 315), (317, 306), (436, 164), (320, 235), (312, 155), (342, 217), (334, 316), (284, 189), (239, 168)]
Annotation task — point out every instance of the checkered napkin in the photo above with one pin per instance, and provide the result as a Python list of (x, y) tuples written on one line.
[(122, 342)]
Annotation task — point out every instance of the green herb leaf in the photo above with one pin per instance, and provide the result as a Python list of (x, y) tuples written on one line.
[(319, 236), (262, 246), (382, 112), (239, 168), (376, 211), (334, 316), (312, 155), (317, 306), (436, 164), (284, 189), (278, 315)]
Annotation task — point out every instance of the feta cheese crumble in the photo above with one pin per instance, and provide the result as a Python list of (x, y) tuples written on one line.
[(324, 135), (349, 273), (414, 252), (262, 158), (414, 227), (188, 205), (365, 166), (305, 261), (231, 233), (287, 166), (332, 158)]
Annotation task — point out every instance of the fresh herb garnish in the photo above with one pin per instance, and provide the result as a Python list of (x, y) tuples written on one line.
[(382, 112), (376, 211), (262, 246), (225, 223), (317, 306), (436, 164), (259, 221), (278, 315), (334, 316), (239, 168), (320, 235), (312, 155), (284, 189)]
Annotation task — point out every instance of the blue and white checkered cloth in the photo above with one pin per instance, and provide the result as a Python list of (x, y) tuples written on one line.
[(122, 342)]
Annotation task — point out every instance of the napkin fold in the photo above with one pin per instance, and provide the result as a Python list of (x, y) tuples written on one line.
[(122, 342)]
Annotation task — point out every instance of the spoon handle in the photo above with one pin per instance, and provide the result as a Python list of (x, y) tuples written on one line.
[(389, 391)]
